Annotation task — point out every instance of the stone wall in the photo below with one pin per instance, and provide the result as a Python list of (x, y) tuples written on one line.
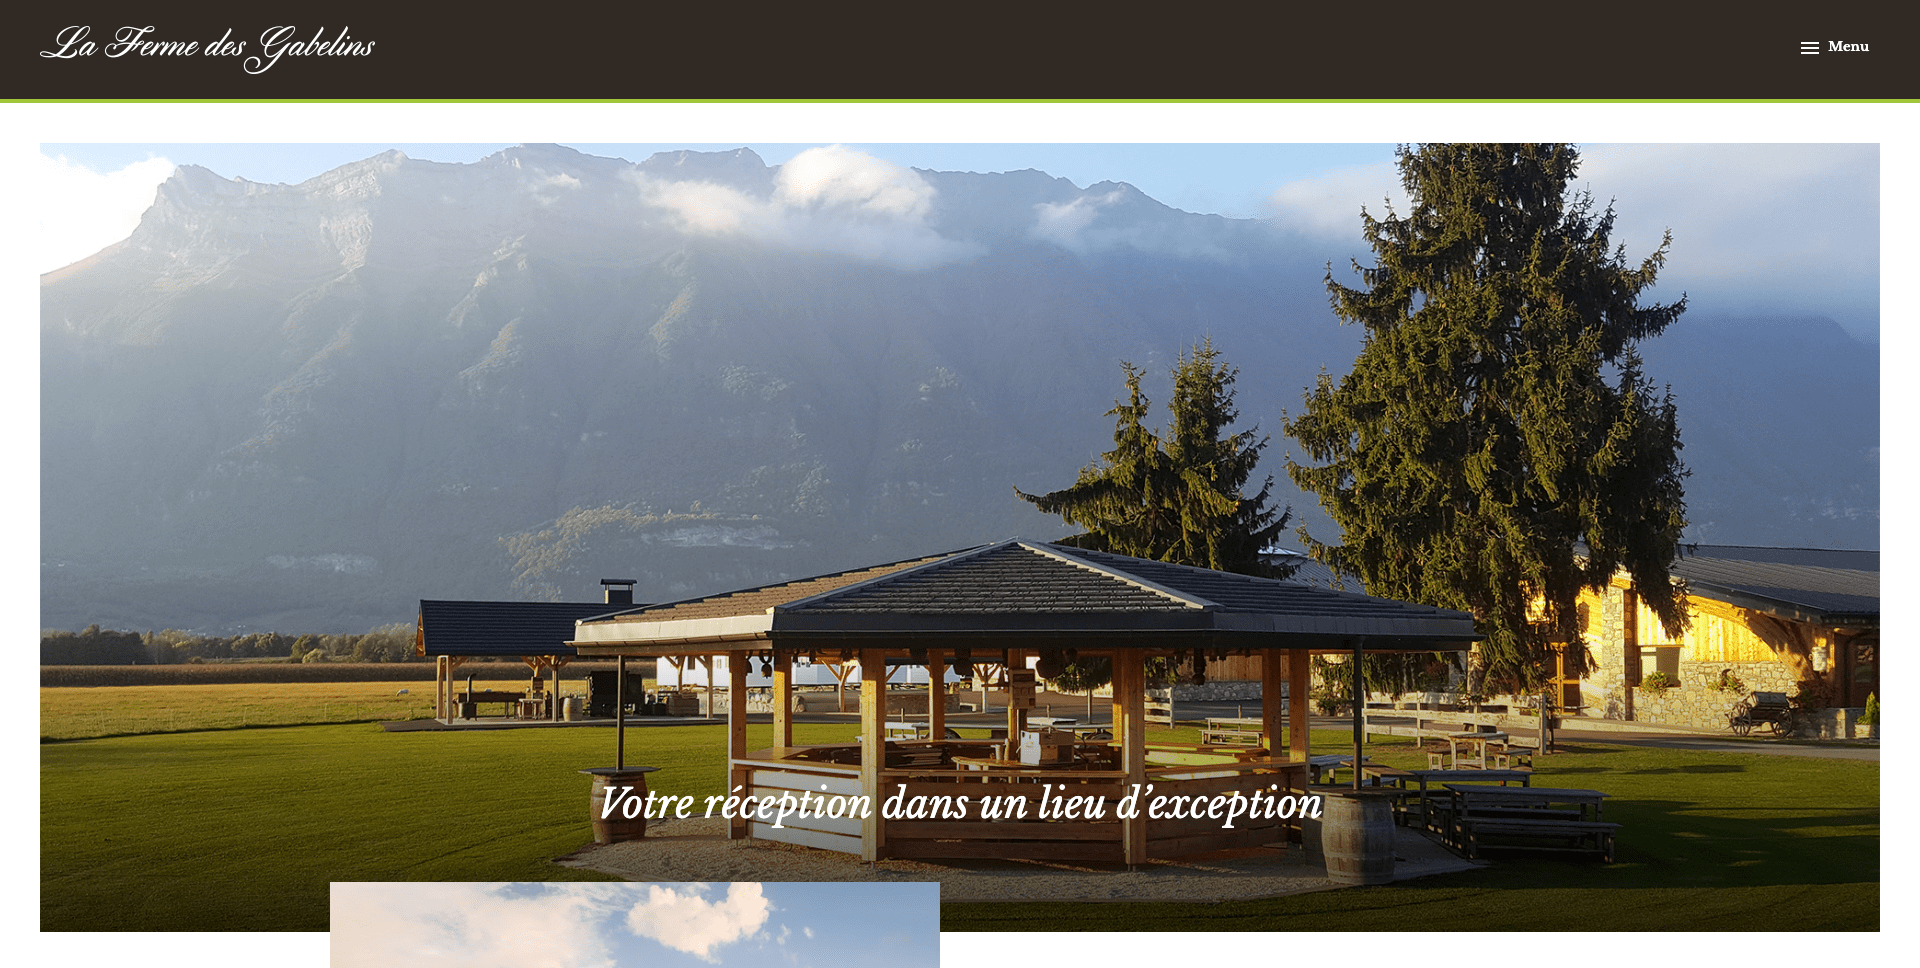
[(1697, 700), (1604, 691), (1229, 690), (1223, 690), (1839, 722)]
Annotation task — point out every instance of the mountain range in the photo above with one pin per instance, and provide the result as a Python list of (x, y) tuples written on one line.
[(305, 407)]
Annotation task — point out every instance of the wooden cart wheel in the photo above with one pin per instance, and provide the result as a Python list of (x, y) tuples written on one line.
[(1742, 728), (1787, 725)]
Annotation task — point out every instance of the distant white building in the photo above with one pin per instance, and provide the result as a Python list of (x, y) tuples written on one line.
[(693, 672)]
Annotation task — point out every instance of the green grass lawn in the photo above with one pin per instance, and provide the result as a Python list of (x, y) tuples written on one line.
[(82, 713), (1708, 842), (244, 829)]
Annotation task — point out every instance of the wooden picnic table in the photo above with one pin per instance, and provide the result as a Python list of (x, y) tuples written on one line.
[(1544, 818), (1237, 730), (473, 699), (1476, 742), (989, 763), (1416, 798), (1329, 765), (1474, 795)]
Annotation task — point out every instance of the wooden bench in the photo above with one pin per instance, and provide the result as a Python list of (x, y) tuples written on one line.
[(1525, 813), (1577, 836), (1512, 756), (1230, 732)]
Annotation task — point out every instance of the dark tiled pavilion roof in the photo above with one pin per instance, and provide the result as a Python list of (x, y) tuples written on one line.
[(501, 628), (1035, 593), (1820, 586)]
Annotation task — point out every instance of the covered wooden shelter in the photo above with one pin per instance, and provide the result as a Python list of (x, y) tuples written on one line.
[(1004, 603), (536, 633)]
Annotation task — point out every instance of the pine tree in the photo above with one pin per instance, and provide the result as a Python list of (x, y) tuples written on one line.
[(1495, 447), (1180, 498)]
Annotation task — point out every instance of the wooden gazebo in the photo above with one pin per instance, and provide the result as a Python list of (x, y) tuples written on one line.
[(1007, 602)]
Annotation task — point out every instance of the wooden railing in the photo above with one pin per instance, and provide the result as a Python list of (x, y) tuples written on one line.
[(1038, 814)]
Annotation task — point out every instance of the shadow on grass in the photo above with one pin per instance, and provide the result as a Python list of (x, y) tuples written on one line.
[(1657, 770), (1734, 868)]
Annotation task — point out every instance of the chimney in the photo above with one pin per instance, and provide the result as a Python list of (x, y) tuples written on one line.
[(619, 590)]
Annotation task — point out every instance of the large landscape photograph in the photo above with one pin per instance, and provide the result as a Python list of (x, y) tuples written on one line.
[(1517, 505)]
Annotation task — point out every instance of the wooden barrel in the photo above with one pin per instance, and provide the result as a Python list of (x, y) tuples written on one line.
[(613, 826), (574, 709), (1356, 837)]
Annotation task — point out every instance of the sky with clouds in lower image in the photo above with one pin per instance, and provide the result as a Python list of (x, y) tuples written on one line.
[(636, 925), (1757, 228)]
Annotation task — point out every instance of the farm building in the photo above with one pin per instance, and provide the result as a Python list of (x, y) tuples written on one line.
[(1762, 619)]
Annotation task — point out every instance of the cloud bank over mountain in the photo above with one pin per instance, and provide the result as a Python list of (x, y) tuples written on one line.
[(1756, 227)]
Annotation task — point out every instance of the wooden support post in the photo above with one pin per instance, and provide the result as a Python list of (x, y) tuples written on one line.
[(1016, 715), (1299, 673), (1360, 706), (736, 732), (1271, 716), (873, 749), (1130, 730), (936, 694), (620, 715), (782, 698)]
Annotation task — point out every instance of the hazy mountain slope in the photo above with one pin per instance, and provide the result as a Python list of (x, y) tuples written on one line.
[(309, 406)]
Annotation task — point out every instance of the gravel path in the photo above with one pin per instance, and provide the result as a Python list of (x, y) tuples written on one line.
[(697, 850)]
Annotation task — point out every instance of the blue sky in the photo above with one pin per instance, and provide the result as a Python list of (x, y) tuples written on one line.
[(630, 925), (1811, 245)]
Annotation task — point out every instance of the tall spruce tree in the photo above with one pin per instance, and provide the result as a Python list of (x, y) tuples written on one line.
[(1496, 420), (1178, 498)]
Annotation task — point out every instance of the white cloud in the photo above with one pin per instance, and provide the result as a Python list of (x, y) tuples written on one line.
[(457, 925), (841, 176), (1756, 228), (81, 212), (834, 200), (1064, 223), (691, 923), (1746, 217), (705, 208), (1082, 226), (809, 931), (1329, 204)]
